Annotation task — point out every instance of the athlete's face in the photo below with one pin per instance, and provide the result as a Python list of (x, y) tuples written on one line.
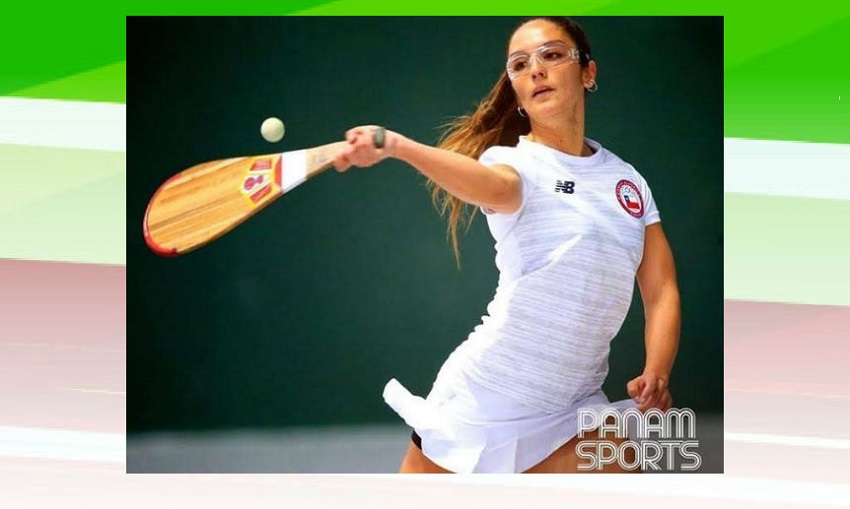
[(544, 69)]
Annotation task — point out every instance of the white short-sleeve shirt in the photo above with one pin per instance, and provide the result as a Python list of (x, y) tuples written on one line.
[(567, 260)]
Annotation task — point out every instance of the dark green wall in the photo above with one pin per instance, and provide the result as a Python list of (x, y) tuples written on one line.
[(300, 316)]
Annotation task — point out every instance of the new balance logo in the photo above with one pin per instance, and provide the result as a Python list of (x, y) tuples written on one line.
[(565, 186)]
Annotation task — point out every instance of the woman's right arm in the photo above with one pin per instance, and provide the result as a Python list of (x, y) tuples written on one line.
[(497, 188)]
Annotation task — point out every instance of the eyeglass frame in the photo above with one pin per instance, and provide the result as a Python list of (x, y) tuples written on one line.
[(573, 53)]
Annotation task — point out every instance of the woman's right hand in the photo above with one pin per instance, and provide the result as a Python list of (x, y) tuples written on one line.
[(361, 150)]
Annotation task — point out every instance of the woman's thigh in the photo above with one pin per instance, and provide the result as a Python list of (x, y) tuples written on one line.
[(415, 462), (566, 460), (562, 461)]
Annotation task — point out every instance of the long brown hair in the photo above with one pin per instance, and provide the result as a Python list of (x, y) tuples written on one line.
[(495, 121)]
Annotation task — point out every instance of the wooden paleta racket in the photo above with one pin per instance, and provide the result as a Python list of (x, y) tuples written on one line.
[(202, 203)]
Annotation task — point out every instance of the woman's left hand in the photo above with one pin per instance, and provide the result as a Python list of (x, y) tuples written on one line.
[(650, 390)]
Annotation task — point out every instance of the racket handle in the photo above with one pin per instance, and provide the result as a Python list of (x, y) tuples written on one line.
[(321, 158)]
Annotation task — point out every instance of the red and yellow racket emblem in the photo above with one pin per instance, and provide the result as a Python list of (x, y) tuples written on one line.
[(257, 183)]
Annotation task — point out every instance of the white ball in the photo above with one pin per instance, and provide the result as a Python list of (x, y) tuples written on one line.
[(272, 129)]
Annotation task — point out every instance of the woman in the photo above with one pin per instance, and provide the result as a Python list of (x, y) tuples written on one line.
[(574, 225)]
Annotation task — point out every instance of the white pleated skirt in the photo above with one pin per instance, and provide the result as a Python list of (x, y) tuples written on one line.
[(468, 428)]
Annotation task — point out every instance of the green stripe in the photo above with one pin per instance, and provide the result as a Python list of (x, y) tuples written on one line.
[(448, 8), (104, 84), (792, 92)]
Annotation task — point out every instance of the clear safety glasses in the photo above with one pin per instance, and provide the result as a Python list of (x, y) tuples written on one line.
[(548, 55)]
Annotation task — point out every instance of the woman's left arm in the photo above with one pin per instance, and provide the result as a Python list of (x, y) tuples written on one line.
[(656, 278)]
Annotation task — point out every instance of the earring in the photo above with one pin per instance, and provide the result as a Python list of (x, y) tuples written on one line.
[(521, 112), (593, 87)]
